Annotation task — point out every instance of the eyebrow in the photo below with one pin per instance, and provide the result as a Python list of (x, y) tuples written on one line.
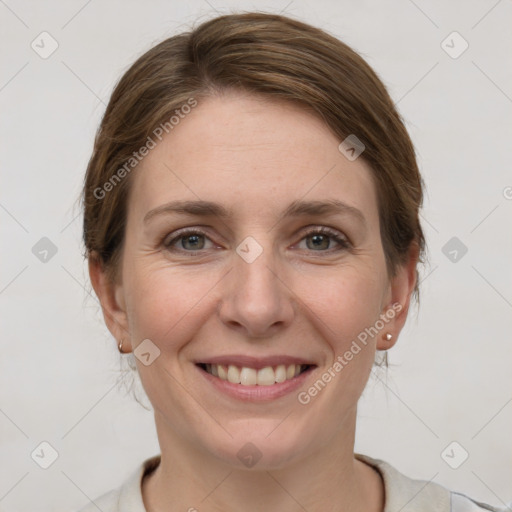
[(297, 208)]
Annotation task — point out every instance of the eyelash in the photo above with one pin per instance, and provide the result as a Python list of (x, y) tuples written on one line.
[(343, 242)]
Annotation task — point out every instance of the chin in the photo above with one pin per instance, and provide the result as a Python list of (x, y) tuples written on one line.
[(258, 445)]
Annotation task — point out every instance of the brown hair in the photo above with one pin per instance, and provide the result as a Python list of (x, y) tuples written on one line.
[(263, 54)]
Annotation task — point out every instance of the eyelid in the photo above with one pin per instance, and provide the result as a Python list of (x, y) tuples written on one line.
[(340, 238), (180, 233)]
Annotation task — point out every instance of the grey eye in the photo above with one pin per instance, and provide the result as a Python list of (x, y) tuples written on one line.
[(195, 242), (318, 241)]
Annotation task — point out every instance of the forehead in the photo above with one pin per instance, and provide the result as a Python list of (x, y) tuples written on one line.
[(254, 156)]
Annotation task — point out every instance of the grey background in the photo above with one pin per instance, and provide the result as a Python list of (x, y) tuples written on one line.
[(449, 378)]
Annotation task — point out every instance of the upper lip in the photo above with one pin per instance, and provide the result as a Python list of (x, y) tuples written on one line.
[(255, 362)]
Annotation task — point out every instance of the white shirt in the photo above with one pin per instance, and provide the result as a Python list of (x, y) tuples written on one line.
[(401, 493)]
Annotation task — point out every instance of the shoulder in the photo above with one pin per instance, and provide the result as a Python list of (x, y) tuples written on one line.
[(127, 497), (402, 493), (461, 503), (410, 495)]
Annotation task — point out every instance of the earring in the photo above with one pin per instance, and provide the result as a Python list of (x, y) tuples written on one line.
[(121, 346), (388, 336)]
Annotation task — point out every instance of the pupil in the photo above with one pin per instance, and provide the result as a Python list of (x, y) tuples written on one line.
[(318, 239), (194, 238)]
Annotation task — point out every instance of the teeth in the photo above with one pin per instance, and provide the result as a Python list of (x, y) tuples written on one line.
[(281, 373), (250, 376), (233, 374), (221, 370), (266, 376)]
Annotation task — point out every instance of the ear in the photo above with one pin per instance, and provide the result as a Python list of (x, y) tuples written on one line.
[(111, 297), (398, 298)]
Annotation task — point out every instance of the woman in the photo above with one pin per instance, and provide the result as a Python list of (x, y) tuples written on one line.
[(251, 223)]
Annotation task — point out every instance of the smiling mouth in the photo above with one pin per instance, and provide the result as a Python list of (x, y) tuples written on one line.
[(267, 376)]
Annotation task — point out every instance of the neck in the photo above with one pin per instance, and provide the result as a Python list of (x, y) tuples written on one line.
[(329, 480)]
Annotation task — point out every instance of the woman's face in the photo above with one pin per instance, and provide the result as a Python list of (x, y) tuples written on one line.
[(226, 269)]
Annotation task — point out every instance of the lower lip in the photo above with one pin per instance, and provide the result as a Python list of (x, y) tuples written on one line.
[(257, 393)]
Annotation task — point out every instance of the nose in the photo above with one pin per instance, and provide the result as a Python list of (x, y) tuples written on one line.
[(256, 300)]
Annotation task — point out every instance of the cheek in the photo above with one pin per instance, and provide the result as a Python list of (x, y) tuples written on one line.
[(343, 306), (345, 301), (165, 303)]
